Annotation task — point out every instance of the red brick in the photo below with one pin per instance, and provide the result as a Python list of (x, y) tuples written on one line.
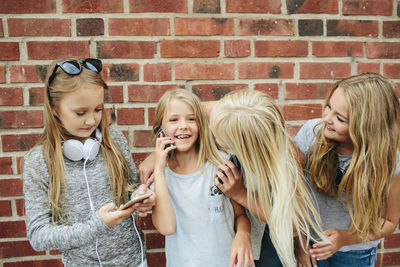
[(36, 96), (126, 49), (337, 49), (2, 74), (206, 6), (391, 70), (10, 188), (144, 223), (383, 50), (368, 67), (138, 158), (324, 70), (152, 113), (155, 259), (253, 6), (397, 89), (20, 164), (293, 130), (154, 240), (265, 70), (139, 27), (263, 27), (20, 204), (57, 49), (365, 28), (143, 138), (237, 48), (18, 249), (189, 48), (367, 7), (302, 111), (93, 6), (5, 210), (157, 72), (28, 6), (110, 116), (392, 241), (116, 94), (312, 6), (204, 26), (147, 93), (39, 27), (130, 116), (12, 228), (198, 71), (306, 90), (11, 96), (9, 51), (209, 92), (281, 48), (90, 27), (19, 142), (6, 165), (120, 72), (35, 263), (391, 29), (159, 6), (1, 28), (391, 259), (27, 73), (21, 119), (271, 89)]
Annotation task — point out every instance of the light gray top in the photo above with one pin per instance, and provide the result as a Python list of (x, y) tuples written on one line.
[(76, 239), (333, 213), (204, 220)]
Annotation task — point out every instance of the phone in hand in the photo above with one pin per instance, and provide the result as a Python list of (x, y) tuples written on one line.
[(136, 198), (236, 162), (168, 145)]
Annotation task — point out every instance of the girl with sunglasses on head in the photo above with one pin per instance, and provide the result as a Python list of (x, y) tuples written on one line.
[(352, 162), (79, 173)]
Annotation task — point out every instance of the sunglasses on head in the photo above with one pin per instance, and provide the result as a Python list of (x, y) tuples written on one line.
[(74, 67)]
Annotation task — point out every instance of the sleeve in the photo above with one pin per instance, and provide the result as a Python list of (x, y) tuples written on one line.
[(306, 136), (120, 139), (41, 232)]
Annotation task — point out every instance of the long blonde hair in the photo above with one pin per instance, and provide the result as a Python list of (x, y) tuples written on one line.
[(253, 127), (374, 118), (54, 134), (205, 144)]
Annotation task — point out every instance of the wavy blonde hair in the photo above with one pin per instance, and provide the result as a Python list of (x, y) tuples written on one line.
[(253, 127), (374, 129), (205, 144), (54, 134)]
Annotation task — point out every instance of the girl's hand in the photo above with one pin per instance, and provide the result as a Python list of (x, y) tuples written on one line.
[(303, 258), (161, 152), (111, 216), (148, 203), (322, 251), (232, 185), (146, 169), (241, 253)]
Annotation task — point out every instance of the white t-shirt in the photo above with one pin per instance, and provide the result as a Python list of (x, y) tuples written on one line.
[(204, 221)]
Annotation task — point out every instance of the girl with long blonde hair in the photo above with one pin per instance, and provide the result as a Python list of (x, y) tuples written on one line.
[(201, 225), (251, 126), (352, 161), (79, 173)]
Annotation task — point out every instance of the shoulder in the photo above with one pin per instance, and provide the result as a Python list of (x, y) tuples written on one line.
[(306, 135), (36, 154), (118, 136)]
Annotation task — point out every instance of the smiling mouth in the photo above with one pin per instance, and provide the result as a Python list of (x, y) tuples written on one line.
[(182, 137), (329, 128)]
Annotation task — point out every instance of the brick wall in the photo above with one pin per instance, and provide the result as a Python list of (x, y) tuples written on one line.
[(292, 49)]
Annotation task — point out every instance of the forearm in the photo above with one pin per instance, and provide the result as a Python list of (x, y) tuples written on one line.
[(253, 206), (163, 214)]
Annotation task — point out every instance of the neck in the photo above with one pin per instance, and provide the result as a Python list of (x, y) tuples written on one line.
[(184, 162), (345, 148)]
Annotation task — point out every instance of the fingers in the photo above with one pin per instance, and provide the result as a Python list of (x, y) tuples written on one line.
[(322, 253), (150, 180)]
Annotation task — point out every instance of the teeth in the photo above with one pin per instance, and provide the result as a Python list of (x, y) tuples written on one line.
[(182, 136)]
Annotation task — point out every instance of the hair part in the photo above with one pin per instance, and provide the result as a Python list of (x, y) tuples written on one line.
[(254, 127), (373, 118)]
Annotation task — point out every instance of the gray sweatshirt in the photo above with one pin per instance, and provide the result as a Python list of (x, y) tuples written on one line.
[(76, 239)]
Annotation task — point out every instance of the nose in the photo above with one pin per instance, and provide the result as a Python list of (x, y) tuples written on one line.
[(182, 124), (90, 120), (327, 116)]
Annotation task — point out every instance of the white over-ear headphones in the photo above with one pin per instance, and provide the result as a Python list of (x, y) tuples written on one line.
[(75, 150)]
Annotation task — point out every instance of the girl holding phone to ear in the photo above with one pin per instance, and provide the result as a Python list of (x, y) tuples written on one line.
[(202, 226), (79, 173)]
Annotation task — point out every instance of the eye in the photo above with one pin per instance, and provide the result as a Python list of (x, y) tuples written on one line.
[(192, 118), (98, 109), (80, 113), (173, 119), (340, 119)]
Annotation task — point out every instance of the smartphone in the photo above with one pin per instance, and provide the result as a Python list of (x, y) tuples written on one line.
[(236, 162), (166, 146), (136, 199)]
